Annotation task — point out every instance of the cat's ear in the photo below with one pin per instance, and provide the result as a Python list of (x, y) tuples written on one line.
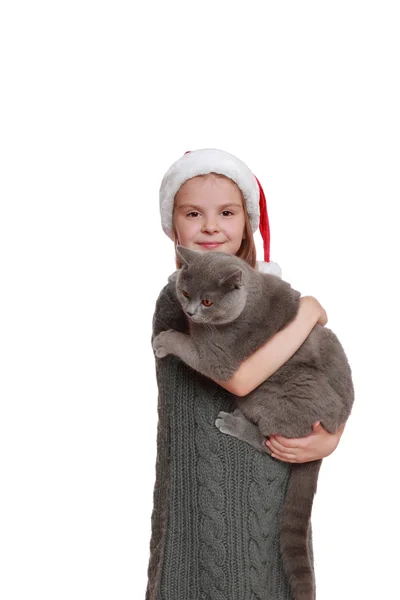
[(185, 255), (172, 278), (233, 280)]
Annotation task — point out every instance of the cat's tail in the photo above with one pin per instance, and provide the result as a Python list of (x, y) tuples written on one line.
[(295, 527)]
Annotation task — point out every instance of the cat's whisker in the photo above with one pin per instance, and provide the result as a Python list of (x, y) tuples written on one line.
[(207, 327), (214, 328), (211, 328)]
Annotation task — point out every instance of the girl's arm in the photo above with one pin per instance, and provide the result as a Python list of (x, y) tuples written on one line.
[(274, 353), (268, 359)]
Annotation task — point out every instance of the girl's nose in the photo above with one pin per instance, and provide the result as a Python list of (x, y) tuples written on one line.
[(210, 226)]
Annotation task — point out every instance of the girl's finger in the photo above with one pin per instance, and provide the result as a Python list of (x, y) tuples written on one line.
[(273, 444), (286, 442), (291, 458)]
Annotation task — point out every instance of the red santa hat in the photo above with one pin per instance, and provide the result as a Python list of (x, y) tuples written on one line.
[(211, 160)]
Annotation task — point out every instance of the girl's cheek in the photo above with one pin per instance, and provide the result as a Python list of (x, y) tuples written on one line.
[(192, 227)]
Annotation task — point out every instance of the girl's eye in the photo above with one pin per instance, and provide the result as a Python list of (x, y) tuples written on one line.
[(194, 213), (206, 302), (185, 294)]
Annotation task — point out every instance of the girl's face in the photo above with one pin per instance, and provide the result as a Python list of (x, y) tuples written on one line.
[(209, 214)]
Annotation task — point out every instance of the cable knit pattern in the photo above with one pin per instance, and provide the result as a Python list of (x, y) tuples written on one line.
[(265, 496), (258, 513), (211, 504), (217, 501)]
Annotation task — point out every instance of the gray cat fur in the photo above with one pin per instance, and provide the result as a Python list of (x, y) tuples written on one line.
[(248, 307)]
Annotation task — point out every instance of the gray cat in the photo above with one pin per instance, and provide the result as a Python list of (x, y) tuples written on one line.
[(233, 310)]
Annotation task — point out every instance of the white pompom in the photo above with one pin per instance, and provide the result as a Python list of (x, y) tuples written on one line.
[(270, 267)]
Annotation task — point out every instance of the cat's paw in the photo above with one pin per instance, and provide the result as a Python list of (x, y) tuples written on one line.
[(231, 423), (238, 426), (162, 344)]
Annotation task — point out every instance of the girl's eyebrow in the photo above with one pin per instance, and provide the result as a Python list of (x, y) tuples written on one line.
[(199, 208)]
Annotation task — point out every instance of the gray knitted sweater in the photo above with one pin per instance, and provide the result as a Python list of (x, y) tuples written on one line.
[(217, 500)]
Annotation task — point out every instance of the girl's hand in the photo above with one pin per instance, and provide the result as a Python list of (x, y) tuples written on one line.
[(318, 444)]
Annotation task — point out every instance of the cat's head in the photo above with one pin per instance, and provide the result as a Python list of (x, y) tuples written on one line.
[(211, 286)]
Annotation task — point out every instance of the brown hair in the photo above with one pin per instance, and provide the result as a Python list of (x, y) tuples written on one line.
[(247, 250)]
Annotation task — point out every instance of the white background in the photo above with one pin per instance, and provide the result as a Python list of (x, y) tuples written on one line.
[(97, 100)]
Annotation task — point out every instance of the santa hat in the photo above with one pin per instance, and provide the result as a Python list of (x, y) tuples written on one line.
[(211, 160)]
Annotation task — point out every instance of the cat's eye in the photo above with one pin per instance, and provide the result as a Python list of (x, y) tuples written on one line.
[(185, 294), (206, 302)]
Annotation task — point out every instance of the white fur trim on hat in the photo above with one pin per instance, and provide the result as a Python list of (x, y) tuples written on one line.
[(202, 162), (269, 267)]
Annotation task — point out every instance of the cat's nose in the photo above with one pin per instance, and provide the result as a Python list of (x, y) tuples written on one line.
[(190, 314)]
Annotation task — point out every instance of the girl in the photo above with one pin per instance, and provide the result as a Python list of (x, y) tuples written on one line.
[(215, 520)]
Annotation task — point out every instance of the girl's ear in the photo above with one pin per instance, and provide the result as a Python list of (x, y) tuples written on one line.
[(233, 280), (186, 255)]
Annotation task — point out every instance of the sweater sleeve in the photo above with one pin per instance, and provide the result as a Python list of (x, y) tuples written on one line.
[(168, 314)]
